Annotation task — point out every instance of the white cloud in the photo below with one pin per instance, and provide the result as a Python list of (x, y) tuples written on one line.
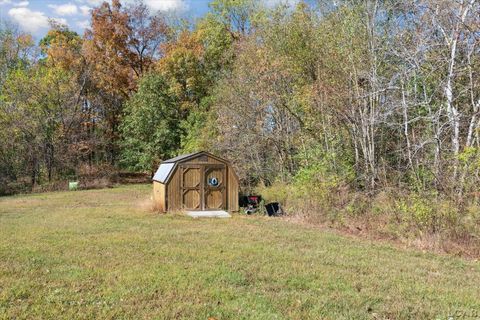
[(94, 2), (29, 20), (66, 9), (273, 3), (83, 24), (162, 5), (15, 4), (60, 21), (85, 10), (167, 5), (21, 4), (32, 21)]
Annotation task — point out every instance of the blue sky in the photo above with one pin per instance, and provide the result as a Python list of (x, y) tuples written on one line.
[(33, 15)]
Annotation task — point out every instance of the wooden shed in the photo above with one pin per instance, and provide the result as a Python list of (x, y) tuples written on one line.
[(196, 181)]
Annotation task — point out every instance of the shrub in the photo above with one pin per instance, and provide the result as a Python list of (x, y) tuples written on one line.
[(277, 192), (422, 219)]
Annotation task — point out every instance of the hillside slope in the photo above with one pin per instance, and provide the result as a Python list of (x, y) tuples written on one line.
[(101, 254)]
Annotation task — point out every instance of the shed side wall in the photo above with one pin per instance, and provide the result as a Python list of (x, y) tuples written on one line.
[(159, 196), (232, 191)]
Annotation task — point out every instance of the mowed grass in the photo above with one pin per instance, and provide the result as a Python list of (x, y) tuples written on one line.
[(101, 255)]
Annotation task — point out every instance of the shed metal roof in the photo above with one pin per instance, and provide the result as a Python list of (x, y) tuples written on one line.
[(163, 172)]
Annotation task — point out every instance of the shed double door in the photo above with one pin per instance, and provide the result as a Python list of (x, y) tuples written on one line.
[(203, 186)]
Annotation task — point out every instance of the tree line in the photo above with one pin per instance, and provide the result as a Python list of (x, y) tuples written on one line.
[(364, 95)]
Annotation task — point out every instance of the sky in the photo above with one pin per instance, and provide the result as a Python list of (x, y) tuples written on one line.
[(33, 15)]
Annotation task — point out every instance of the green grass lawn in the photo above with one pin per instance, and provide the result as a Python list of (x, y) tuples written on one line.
[(100, 254)]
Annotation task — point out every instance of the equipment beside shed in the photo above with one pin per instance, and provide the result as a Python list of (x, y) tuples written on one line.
[(197, 181)]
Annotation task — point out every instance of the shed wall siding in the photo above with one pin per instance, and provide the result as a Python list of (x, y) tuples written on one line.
[(200, 160), (232, 191), (159, 196)]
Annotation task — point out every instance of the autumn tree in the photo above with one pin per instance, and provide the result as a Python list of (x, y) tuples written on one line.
[(40, 111), (16, 50), (121, 46), (364, 94), (197, 58), (16, 47), (123, 42), (184, 69)]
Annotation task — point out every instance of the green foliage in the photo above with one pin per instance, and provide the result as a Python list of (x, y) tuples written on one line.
[(193, 126), (57, 35), (235, 15), (318, 190), (184, 69), (151, 125), (418, 210), (276, 192), (469, 159), (199, 129), (293, 35), (15, 48), (427, 213), (39, 114), (218, 45)]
